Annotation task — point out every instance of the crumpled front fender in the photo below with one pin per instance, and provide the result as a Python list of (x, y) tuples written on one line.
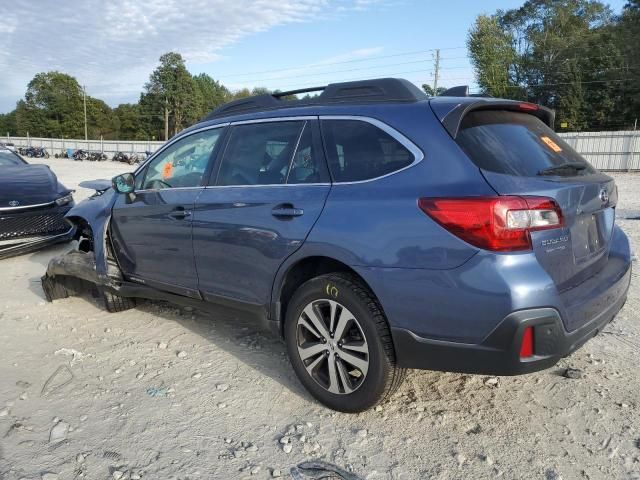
[(96, 212)]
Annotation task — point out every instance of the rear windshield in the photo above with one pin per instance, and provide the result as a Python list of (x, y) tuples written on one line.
[(517, 144)]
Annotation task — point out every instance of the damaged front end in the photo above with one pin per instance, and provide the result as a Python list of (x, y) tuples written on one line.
[(91, 267), (69, 274)]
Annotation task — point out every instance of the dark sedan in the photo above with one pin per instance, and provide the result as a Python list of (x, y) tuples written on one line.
[(32, 206)]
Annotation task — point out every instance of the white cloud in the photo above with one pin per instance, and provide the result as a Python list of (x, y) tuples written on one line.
[(111, 46)]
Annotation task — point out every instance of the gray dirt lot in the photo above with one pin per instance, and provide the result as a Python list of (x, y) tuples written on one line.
[(162, 392)]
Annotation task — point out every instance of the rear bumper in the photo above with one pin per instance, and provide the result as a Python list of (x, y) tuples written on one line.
[(498, 353)]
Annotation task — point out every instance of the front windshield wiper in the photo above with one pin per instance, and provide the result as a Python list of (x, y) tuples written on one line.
[(569, 165)]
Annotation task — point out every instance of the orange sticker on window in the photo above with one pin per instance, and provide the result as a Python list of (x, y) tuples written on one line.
[(167, 170), (551, 144)]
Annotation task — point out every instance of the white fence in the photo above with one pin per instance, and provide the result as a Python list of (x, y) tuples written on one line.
[(605, 150), (60, 145)]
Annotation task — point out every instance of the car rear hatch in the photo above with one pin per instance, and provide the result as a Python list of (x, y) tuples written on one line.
[(520, 155)]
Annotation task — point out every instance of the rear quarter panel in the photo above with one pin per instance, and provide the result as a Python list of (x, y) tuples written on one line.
[(378, 223)]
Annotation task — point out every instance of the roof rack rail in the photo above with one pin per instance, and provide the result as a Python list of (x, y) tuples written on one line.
[(296, 92), (377, 90)]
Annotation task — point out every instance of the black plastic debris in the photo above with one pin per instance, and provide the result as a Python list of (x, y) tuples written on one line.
[(573, 373), (317, 469)]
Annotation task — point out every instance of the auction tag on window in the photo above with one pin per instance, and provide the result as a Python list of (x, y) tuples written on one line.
[(167, 170), (551, 144)]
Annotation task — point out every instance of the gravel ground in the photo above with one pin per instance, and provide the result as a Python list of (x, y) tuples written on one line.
[(162, 392)]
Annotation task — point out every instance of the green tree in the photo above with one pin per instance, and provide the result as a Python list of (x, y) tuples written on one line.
[(564, 54), (627, 35), (493, 56), (101, 121), (8, 123), (171, 90), (428, 89), (211, 93), (129, 125), (52, 106)]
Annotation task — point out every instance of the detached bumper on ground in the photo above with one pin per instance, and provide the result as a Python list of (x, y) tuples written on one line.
[(499, 353)]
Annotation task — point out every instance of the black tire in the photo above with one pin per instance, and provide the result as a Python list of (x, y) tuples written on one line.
[(54, 288), (115, 303), (383, 377)]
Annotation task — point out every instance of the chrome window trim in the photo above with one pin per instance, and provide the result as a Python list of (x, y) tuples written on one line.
[(325, 184), (174, 140), (25, 207), (147, 190), (418, 155), (301, 118)]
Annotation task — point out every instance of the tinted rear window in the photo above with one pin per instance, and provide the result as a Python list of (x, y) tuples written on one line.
[(358, 150), (516, 144)]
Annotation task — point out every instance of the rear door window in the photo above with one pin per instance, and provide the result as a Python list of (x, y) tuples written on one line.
[(358, 150), (308, 164), (259, 153), (517, 144)]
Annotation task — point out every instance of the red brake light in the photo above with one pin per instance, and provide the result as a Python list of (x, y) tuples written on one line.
[(526, 347), (528, 106), (501, 224)]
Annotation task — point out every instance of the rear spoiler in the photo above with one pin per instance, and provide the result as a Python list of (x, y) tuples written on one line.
[(451, 111)]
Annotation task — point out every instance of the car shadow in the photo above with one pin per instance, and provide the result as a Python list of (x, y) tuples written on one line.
[(236, 333), (232, 331), (39, 260)]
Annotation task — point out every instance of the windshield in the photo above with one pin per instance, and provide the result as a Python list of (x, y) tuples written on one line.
[(8, 158), (518, 144)]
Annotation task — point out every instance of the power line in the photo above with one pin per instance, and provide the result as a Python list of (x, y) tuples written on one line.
[(541, 85), (317, 74), (268, 80), (320, 65), (348, 79)]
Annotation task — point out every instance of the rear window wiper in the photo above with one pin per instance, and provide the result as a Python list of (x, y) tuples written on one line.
[(565, 166)]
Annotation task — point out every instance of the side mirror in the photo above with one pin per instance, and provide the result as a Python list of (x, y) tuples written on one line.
[(125, 183)]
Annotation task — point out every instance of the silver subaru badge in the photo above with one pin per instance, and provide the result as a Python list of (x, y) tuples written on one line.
[(604, 196), (14, 203)]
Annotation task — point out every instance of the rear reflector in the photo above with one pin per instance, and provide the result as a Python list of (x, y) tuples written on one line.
[(500, 224), (526, 348)]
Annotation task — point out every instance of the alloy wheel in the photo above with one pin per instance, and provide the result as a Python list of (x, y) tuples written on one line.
[(332, 346)]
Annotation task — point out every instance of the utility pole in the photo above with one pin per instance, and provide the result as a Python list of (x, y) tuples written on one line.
[(84, 99), (436, 73)]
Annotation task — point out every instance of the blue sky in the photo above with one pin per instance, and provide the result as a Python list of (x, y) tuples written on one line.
[(111, 47)]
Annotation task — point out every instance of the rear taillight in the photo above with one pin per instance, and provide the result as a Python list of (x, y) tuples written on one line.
[(501, 224)]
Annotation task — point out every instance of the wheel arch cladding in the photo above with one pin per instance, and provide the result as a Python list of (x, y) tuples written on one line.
[(301, 271)]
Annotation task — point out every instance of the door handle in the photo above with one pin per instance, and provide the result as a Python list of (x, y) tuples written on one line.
[(179, 214), (286, 210)]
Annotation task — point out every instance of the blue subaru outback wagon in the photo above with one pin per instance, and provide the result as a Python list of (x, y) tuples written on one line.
[(373, 228)]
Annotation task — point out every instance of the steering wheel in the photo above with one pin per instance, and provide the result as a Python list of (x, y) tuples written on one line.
[(154, 184)]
